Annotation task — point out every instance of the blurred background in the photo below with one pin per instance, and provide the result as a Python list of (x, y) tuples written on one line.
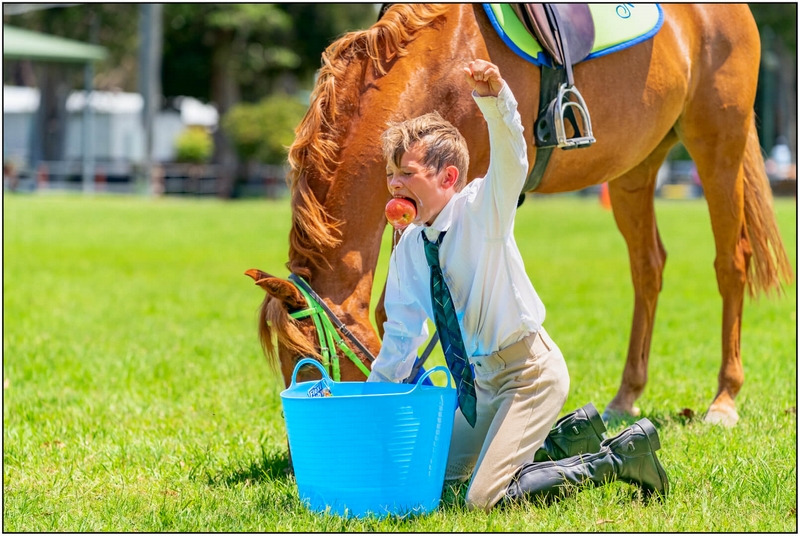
[(202, 99)]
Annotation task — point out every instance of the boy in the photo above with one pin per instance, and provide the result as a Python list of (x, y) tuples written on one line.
[(474, 286)]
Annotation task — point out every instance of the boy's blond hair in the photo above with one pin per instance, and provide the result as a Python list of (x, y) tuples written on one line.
[(443, 143)]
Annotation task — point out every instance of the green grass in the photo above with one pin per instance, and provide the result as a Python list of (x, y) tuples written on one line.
[(136, 397)]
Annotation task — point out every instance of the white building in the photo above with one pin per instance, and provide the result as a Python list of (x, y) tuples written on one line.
[(118, 130)]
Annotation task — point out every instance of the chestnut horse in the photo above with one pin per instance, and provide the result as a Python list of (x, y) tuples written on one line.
[(695, 81)]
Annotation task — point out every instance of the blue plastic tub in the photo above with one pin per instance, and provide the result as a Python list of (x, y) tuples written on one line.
[(369, 448)]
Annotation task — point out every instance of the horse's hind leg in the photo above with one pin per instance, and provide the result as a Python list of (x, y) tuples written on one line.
[(633, 204), (715, 128), (720, 167)]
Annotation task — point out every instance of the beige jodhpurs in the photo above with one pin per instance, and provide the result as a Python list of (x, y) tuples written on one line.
[(520, 392)]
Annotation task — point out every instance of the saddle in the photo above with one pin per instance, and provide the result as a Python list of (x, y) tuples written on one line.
[(570, 23), (566, 32)]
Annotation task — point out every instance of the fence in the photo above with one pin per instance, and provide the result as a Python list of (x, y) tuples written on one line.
[(676, 180), (255, 180)]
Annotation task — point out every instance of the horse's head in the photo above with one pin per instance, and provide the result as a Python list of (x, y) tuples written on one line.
[(285, 339)]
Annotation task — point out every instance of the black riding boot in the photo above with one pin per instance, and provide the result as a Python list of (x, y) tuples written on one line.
[(630, 457), (579, 432)]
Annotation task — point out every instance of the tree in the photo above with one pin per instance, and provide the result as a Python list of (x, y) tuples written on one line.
[(262, 131), (277, 47), (317, 25), (224, 45), (782, 18), (246, 52), (776, 100)]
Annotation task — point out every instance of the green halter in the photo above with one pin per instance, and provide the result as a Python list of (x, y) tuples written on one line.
[(329, 338)]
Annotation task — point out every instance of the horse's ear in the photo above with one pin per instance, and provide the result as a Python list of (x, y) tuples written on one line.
[(278, 288)]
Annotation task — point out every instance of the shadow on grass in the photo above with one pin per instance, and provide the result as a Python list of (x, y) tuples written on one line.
[(454, 496), (618, 422), (272, 466), (683, 417)]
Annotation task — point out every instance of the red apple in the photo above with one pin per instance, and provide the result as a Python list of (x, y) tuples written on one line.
[(400, 212)]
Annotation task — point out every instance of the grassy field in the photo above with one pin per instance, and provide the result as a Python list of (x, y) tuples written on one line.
[(136, 397)]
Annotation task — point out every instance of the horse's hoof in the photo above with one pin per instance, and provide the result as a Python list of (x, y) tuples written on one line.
[(614, 416), (726, 416)]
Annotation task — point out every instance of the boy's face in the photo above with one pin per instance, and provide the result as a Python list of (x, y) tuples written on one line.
[(428, 190)]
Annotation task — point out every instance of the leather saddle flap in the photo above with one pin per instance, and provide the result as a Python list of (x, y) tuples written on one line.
[(575, 26)]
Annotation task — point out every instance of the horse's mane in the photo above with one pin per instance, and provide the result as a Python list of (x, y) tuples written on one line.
[(313, 155)]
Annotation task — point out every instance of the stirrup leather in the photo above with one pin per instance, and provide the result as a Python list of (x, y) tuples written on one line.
[(561, 108)]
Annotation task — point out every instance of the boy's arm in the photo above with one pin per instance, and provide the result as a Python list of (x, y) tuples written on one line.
[(404, 331), (508, 160)]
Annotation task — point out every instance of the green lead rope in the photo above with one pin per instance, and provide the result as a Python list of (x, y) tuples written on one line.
[(329, 338)]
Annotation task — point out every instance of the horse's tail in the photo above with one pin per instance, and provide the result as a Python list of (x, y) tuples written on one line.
[(770, 265)]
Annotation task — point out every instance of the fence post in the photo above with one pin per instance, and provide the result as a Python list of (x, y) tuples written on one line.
[(41, 176)]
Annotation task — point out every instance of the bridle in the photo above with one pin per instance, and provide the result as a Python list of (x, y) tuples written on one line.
[(329, 338)]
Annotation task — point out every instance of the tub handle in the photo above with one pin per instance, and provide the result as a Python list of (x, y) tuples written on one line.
[(309, 361), (431, 371)]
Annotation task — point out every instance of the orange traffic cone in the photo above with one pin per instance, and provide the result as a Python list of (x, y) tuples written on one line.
[(605, 199)]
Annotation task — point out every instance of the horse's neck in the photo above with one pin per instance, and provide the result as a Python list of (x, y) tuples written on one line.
[(357, 194)]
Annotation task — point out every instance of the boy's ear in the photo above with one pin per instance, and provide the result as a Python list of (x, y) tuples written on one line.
[(450, 176)]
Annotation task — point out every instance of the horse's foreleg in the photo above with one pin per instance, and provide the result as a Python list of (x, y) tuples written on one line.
[(380, 308), (380, 312), (634, 211)]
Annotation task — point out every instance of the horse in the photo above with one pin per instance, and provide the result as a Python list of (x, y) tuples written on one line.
[(693, 82)]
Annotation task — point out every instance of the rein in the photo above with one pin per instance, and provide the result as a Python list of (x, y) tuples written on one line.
[(329, 339)]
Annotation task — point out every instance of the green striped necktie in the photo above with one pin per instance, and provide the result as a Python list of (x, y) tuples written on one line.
[(444, 316)]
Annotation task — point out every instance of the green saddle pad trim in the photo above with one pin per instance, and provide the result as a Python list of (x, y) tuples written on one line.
[(617, 26)]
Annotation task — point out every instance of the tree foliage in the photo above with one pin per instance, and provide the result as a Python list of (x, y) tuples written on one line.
[(264, 130), (274, 47), (194, 145), (273, 39), (114, 26), (782, 18), (255, 38), (317, 25)]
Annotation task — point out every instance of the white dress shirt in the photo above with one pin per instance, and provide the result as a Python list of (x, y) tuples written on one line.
[(495, 301)]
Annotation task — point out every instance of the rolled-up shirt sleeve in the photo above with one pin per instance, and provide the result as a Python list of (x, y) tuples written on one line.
[(405, 330)]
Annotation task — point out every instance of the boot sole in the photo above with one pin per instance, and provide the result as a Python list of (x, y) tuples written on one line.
[(651, 434)]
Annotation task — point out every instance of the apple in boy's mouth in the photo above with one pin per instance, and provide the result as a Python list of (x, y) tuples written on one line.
[(400, 211)]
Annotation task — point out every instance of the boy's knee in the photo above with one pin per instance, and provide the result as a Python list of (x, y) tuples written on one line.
[(481, 500)]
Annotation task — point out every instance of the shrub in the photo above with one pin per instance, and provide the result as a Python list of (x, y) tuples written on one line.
[(264, 130), (194, 145)]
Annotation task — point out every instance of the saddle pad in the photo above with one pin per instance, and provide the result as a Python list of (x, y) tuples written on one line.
[(617, 26)]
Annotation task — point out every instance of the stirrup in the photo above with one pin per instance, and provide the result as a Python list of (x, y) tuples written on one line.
[(560, 106)]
